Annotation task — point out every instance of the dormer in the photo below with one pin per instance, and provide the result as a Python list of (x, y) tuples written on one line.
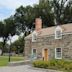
[(34, 36), (58, 32)]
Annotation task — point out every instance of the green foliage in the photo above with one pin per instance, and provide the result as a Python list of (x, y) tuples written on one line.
[(62, 11), (48, 10), (1, 28), (18, 45), (25, 16), (54, 64), (7, 27), (41, 64), (10, 27)]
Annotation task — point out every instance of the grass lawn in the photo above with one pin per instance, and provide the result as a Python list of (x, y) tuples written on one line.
[(4, 59)]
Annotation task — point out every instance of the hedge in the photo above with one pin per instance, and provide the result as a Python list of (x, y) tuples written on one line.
[(54, 64)]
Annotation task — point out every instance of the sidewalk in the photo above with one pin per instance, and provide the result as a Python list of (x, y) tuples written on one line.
[(24, 68)]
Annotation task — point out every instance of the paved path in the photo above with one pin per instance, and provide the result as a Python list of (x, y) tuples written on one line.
[(23, 68)]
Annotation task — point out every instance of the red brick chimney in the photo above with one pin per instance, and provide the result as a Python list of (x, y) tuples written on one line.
[(38, 24)]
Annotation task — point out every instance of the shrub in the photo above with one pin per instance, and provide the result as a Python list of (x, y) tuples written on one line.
[(40, 64), (54, 64)]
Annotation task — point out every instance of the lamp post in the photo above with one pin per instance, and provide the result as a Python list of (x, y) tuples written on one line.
[(9, 47)]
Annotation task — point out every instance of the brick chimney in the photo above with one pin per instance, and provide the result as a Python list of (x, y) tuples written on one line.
[(38, 24)]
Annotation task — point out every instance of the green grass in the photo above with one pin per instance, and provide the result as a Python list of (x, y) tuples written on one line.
[(4, 59)]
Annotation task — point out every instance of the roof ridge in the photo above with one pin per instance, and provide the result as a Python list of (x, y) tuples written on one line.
[(50, 30), (59, 25)]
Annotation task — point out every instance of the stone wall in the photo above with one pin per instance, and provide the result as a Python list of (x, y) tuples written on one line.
[(27, 49), (51, 43)]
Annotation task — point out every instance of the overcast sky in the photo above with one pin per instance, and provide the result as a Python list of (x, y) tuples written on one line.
[(7, 7)]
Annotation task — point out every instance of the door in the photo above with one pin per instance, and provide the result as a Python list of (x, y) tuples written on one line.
[(45, 54)]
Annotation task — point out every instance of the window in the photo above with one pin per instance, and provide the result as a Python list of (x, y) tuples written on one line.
[(58, 53), (34, 53), (58, 32), (34, 36)]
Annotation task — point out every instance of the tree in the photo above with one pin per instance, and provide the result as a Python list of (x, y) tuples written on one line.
[(25, 16), (68, 13), (43, 10), (6, 47), (18, 46), (7, 27), (62, 11), (1, 28)]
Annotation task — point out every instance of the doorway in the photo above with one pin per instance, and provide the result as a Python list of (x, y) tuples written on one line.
[(45, 54)]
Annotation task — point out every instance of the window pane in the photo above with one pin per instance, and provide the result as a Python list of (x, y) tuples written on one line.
[(34, 54), (58, 49), (34, 37), (34, 50), (58, 33), (58, 53)]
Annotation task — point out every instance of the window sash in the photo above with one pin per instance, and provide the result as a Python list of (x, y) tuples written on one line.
[(34, 53), (58, 34), (58, 54), (34, 37)]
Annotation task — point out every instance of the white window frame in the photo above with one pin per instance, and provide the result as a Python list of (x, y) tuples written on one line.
[(33, 37), (56, 57), (56, 35), (33, 52)]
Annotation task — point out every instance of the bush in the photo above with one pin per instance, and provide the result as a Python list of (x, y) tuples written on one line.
[(40, 64), (54, 64)]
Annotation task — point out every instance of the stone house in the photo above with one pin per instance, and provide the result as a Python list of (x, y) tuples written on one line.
[(49, 43)]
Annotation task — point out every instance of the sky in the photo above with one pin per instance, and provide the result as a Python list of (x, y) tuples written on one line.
[(14, 38), (7, 8)]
